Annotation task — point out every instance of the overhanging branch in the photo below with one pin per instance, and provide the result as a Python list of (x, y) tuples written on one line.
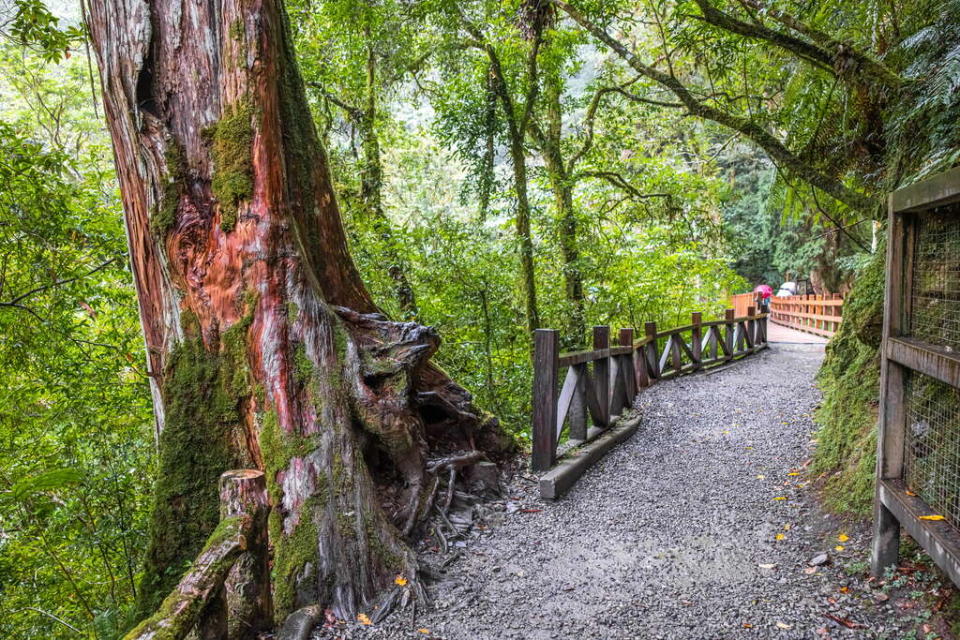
[(764, 139)]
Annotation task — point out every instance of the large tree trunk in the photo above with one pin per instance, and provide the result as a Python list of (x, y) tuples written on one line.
[(265, 350)]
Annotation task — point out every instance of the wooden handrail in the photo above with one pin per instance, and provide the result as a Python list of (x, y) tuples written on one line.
[(817, 314), (600, 384)]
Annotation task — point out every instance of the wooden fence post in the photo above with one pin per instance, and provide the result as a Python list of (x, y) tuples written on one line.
[(748, 329), (577, 415), (696, 340), (601, 373), (728, 337), (545, 365), (651, 357), (627, 371)]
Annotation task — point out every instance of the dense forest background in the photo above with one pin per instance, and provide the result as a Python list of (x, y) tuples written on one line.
[(492, 181)]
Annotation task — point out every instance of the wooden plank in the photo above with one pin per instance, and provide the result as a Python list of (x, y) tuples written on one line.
[(719, 341), (667, 351), (650, 355), (558, 481), (675, 357), (687, 349), (892, 422), (939, 539), (747, 332), (593, 402), (618, 391), (601, 372), (932, 360), (728, 336), (578, 406), (546, 348), (941, 189), (696, 340), (807, 329), (640, 368), (566, 398), (675, 330), (579, 357), (627, 365)]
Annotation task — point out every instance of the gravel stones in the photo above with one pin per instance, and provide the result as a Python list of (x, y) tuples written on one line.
[(699, 527)]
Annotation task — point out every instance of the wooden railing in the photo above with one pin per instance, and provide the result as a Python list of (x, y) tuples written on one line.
[(601, 383), (817, 314), (743, 301)]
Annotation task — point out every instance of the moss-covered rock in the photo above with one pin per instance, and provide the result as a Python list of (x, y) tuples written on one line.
[(850, 381)]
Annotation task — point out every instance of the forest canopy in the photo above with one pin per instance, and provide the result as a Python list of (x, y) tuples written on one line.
[(498, 167)]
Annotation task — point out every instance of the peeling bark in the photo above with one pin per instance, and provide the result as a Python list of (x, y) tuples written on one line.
[(265, 347)]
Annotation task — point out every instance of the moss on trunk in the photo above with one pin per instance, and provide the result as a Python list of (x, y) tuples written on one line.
[(231, 139), (204, 391)]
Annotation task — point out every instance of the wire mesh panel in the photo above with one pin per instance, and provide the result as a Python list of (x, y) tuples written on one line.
[(935, 298), (932, 443)]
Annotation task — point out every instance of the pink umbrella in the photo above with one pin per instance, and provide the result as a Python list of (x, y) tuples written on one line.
[(764, 290)]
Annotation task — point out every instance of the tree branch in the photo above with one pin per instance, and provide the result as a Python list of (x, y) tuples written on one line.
[(15, 302), (840, 48), (620, 182), (354, 113), (766, 141)]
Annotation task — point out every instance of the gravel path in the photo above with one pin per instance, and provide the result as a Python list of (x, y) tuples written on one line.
[(698, 527)]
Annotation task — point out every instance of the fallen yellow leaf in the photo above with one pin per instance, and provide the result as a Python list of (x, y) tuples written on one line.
[(787, 526), (911, 493), (843, 537), (844, 589), (760, 476), (839, 547), (932, 518), (779, 536), (784, 625), (424, 630), (400, 580), (794, 473), (780, 498), (364, 618), (747, 625)]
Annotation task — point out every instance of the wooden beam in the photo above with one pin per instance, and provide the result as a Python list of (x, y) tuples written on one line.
[(696, 338), (941, 189), (928, 359), (601, 372), (940, 539), (567, 393), (545, 364), (627, 366)]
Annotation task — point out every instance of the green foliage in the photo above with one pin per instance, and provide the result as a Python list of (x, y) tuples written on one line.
[(35, 27), (76, 443)]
